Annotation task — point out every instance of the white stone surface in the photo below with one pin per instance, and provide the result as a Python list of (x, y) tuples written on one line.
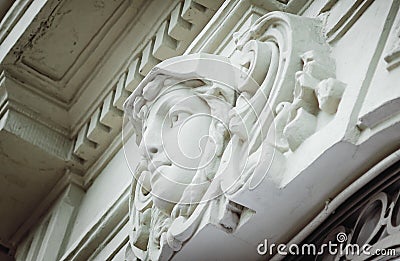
[(181, 194), (106, 189), (306, 98), (325, 111)]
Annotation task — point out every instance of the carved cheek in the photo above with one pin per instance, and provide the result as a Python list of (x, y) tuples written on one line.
[(192, 139), (170, 140)]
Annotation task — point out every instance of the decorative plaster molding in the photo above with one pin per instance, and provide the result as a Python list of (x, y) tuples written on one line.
[(171, 39), (282, 71), (392, 58), (296, 85), (80, 149), (66, 180), (381, 103), (342, 16), (31, 59), (49, 238), (45, 127), (100, 230), (11, 18), (34, 133), (179, 28)]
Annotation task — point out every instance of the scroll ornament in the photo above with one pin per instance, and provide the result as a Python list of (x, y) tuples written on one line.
[(282, 84)]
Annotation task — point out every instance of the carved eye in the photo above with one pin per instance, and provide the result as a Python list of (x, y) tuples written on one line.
[(177, 117)]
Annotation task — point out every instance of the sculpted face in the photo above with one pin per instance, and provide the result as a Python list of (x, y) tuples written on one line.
[(175, 134)]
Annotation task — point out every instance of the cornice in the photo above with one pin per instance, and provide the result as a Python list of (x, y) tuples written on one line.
[(92, 131), (33, 105), (71, 138), (12, 17), (170, 38)]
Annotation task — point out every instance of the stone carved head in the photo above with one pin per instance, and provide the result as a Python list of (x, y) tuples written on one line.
[(283, 83), (180, 116)]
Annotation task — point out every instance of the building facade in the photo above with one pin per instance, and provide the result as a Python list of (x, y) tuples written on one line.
[(303, 107)]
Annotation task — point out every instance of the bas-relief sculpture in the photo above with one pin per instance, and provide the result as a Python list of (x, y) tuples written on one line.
[(210, 127)]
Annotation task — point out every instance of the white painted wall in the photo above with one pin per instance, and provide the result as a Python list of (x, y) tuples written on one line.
[(106, 189)]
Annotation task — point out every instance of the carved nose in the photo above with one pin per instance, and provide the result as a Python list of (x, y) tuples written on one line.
[(153, 150), (151, 145), (150, 151)]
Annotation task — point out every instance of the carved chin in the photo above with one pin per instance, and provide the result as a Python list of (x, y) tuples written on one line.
[(167, 186), (166, 194), (163, 205)]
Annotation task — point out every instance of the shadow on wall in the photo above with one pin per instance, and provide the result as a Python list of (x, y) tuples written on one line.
[(4, 250), (4, 7)]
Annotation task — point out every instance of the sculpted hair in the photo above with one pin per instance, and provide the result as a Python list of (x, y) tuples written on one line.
[(219, 97)]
